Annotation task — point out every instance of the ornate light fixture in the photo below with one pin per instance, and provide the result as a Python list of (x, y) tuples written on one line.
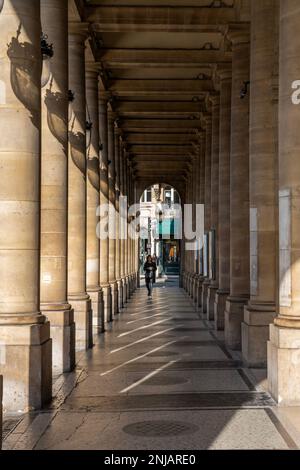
[(88, 128), (244, 90), (71, 98), (47, 54)]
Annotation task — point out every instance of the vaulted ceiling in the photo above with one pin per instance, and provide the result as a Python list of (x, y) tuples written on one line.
[(158, 60)]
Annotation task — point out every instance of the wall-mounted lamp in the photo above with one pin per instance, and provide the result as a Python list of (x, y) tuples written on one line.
[(88, 128), (71, 98), (47, 54), (244, 90)]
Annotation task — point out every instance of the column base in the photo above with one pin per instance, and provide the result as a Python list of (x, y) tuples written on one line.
[(114, 298), (182, 280), (96, 296), (194, 286), (127, 288), (283, 365), (134, 280), (234, 314), (63, 334), (199, 292), (255, 334), (219, 310), (120, 294), (125, 298), (130, 285), (26, 365), (107, 302), (211, 297), (196, 289), (190, 284), (204, 295), (83, 317)]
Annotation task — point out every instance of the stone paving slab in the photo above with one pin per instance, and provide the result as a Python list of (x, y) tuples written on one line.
[(172, 401), (168, 384), (164, 382), (205, 429)]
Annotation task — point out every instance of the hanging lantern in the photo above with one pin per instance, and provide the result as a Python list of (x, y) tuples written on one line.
[(47, 54)]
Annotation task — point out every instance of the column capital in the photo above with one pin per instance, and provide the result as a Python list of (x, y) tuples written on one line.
[(200, 133), (124, 144), (224, 72), (104, 97), (207, 120), (111, 116), (78, 31), (215, 100), (91, 68), (118, 130), (238, 34)]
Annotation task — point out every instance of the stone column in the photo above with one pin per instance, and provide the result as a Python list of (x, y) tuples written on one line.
[(129, 191), (130, 240), (224, 198), (54, 190), (104, 200), (126, 251), (194, 202), (112, 199), (93, 199), (197, 196), (214, 278), (188, 252), (122, 228), (118, 241), (239, 191), (260, 311), (207, 206), (284, 344), (201, 201), (25, 344), (77, 295)]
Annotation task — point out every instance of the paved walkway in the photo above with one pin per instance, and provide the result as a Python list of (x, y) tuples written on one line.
[(161, 378)]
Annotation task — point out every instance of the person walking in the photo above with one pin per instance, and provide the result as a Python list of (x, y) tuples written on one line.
[(149, 268)]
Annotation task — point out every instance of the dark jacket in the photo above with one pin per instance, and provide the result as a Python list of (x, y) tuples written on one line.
[(149, 269)]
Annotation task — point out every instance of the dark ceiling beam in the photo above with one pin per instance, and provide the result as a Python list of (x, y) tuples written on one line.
[(142, 158), (143, 18), (130, 58), (136, 88), (178, 139), (160, 125), (161, 149)]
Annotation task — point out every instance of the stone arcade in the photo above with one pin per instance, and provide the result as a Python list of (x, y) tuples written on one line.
[(201, 95)]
